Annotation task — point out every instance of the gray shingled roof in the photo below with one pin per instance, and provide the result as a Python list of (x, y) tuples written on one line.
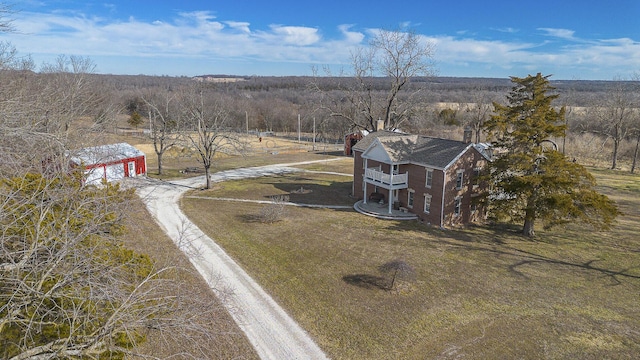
[(418, 149), (363, 144)]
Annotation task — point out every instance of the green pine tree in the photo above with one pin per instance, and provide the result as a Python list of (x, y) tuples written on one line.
[(68, 287), (135, 119), (530, 180)]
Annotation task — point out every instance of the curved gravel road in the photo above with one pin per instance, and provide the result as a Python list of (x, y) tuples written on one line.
[(271, 331)]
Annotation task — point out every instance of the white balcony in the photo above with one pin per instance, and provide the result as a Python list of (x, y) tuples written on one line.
[(388, 181)]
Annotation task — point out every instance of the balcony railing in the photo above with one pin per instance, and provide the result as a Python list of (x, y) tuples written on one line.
[(375, 176)]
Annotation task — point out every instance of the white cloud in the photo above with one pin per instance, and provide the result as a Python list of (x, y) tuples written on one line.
[(351, 37), (294, 35), (239, 25), (508, 30), (201, 36), (559, 33)]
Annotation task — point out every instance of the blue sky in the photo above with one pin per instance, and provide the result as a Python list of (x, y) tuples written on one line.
[(571, 39)]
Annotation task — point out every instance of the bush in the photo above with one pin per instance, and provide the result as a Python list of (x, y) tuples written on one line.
[(276, 210)]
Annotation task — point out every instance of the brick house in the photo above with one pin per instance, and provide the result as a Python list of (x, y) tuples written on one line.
[(435, 179)]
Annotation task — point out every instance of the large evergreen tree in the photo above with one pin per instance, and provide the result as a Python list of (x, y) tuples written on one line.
[(529, 178)]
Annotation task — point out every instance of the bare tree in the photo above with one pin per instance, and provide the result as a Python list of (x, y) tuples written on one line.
[(394, 56), (164, 117), (479, 111), (5, 22), (399, 269), (636, 121), (208, 121), (68, 94), (615, 116)]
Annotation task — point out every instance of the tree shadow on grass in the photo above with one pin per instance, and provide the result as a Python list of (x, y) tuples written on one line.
[(251, 218), (367, 281), (501, 240)]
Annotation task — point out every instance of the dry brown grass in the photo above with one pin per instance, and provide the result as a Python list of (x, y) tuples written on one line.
[(481, 293), (269, 151)]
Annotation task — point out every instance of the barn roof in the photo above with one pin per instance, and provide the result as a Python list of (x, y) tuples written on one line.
[(418, 149), (105, 154)]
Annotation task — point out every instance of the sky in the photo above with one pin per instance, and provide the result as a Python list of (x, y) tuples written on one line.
[(568, 39)]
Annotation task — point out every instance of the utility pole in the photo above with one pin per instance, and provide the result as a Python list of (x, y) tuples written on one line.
[(314, 133), (246, 118), (298, 127)]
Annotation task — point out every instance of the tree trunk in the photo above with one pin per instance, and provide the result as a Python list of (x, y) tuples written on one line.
[(527, 229), (635, 154), (160, 163), (529, 220), (614, 162), (207, 175), (393, 280), (616, 145)]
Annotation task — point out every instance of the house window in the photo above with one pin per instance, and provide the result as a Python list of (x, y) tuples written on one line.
[(427, 203), (410, 198), (459, 179), (395, 169), (457, 204), (429, 180), (474, 207), (476, 177)]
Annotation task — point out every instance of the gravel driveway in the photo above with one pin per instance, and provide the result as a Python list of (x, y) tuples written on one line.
[(271, 331)]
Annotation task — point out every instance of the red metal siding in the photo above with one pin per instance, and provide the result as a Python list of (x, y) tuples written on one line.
[(140, 165)]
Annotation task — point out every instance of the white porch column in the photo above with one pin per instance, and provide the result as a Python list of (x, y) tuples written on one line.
[(364, 186), (391, 198)]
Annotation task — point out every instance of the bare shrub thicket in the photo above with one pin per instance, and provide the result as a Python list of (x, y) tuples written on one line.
[(70, 286), (276, 210)]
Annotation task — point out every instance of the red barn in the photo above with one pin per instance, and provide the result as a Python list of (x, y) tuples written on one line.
[(111, 162)]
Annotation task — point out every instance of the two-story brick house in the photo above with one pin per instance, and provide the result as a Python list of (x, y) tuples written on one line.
[(435, 179)]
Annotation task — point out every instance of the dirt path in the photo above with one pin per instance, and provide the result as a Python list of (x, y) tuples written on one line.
[(271, 331)]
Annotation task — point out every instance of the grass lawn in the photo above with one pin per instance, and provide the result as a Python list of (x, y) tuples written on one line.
[(480, 292)]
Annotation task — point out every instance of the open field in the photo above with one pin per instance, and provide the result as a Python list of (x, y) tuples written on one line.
[(258, 153), (479, 292)]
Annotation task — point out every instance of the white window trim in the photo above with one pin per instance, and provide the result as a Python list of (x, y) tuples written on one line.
[(424, 208), (426, 177), (457, 200), (459, 175), (476, 175)]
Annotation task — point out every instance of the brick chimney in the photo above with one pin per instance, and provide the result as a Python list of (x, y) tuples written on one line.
[(468, 133)]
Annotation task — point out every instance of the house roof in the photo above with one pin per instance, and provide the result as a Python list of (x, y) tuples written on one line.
[(105, 154), (363, 144), (419, 149)]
